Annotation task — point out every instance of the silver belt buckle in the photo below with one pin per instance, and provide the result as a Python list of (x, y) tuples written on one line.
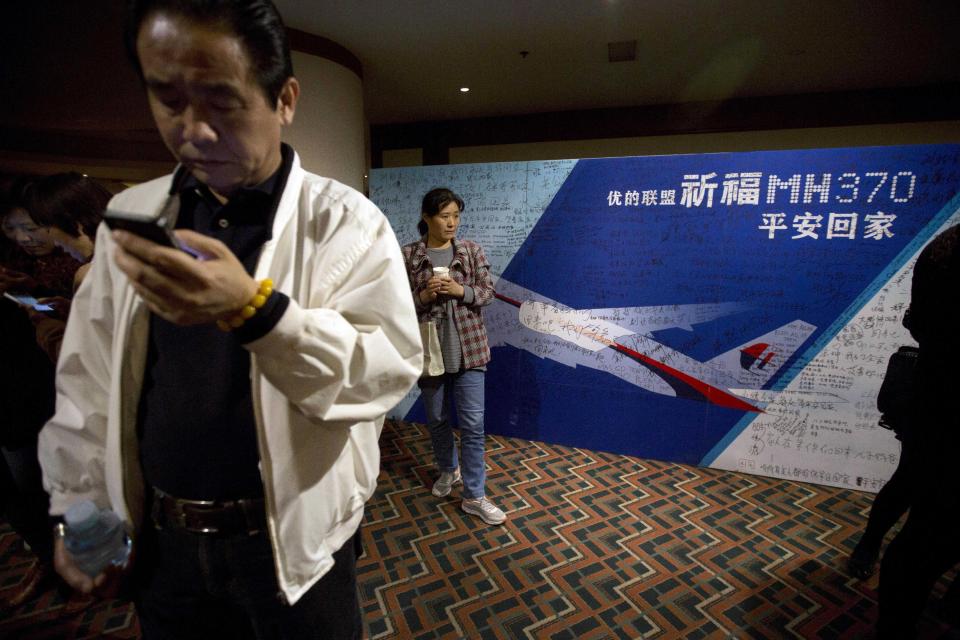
[(182, 515)]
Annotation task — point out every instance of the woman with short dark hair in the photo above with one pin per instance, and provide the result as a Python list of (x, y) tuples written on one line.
[(450, 280), (69, 206)]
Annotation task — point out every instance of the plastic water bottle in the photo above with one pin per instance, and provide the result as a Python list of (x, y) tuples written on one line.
[(95, 538)]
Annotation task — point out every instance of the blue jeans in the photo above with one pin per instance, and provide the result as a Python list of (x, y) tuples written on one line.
[(206, 586), (464, 390)]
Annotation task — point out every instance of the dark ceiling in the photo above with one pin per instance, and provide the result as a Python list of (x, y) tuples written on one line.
[(68, 88)]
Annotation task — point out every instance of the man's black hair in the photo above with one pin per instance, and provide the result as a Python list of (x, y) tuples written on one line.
[(257, 24), (433, 201)]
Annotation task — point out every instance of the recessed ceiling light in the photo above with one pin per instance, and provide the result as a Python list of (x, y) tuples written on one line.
[(464, 89)]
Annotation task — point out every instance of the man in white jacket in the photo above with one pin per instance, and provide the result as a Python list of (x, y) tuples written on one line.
[(228, 406)]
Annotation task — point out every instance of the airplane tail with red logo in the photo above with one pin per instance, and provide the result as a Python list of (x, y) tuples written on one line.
[(753, 363)]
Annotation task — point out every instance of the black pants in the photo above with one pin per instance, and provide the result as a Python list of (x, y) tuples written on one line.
[(26, 402), (926, 548), (892, 501), (929, 543), (23, 500), (199, 586)]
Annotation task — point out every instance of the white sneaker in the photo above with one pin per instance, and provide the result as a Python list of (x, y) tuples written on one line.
[(484, 509), (441, 488)]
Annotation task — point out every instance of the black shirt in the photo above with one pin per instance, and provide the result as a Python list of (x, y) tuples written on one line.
[(195, 423)]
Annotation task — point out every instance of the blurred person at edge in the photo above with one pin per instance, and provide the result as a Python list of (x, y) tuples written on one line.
[(67, 207), (456, 303), (228, 407), (26, 402), (928, 545), (31, 263)]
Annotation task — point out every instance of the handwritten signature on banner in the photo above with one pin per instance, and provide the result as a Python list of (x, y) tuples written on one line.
[(746, 189)]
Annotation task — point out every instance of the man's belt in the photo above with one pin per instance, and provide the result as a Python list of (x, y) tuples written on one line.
[(209, 517)]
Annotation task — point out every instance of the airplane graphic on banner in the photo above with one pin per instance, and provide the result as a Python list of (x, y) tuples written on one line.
[(620, 342)]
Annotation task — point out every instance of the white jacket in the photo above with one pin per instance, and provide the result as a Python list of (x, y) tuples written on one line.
[(346, 350)]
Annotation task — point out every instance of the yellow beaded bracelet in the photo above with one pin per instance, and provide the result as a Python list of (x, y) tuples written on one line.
[(250, 309)]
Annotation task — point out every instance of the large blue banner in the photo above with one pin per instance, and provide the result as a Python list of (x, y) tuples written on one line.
[(732, 310)]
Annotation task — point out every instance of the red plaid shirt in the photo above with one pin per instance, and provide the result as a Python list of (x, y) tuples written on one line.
[(471, 268)]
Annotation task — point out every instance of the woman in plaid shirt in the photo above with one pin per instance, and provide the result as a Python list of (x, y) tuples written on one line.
[(454, 302)]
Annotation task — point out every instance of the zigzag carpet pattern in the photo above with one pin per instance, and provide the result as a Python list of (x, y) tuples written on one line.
[(596, 546), (608, 546)]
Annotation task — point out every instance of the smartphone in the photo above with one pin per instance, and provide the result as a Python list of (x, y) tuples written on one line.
[(27, 301), (153, 228)]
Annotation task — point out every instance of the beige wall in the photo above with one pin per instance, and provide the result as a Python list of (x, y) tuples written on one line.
[(858, 136), (406, 157), (328, 130)]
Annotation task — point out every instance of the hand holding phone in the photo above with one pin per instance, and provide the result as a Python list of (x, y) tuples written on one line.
[(182, 290)]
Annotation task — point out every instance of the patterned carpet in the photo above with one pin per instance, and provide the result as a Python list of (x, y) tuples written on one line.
[(596, 546)]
